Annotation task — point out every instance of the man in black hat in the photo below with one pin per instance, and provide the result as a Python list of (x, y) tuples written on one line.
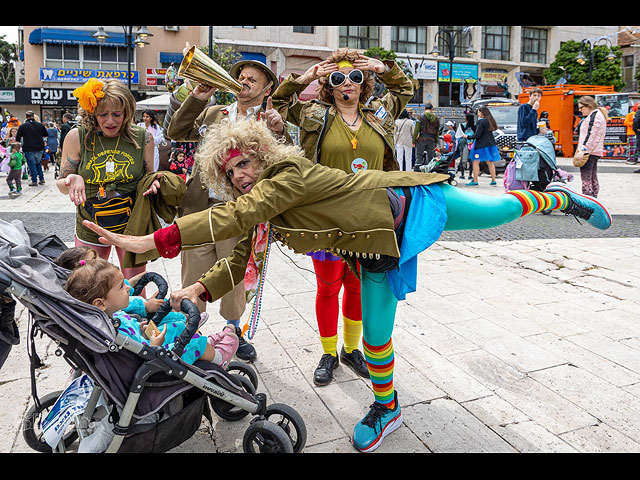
[(187, 124)]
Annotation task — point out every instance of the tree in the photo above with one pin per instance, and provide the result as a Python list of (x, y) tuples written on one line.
[(8, 56), (604, 72)]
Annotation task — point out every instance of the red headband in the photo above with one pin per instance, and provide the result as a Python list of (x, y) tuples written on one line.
[(234, 152)]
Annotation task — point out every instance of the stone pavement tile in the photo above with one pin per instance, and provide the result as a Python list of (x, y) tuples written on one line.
[(510, 348), (529, 437), (445, 375), (493, 411), (601, 438), (447, 427), (431, 332), (610, 350), (516, 388), (609, 404), (587, 358), (289, 386)]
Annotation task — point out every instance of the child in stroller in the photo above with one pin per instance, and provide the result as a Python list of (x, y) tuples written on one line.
[(101, 284), (145, 397), (139, 306)]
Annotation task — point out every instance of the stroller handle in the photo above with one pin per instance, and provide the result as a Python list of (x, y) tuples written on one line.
[(152, 277), (193, 321)]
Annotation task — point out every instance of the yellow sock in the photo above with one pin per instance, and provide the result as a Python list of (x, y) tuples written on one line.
[(329, 345), (351, 333)]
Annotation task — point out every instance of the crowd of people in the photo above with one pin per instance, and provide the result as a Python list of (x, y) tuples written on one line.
[(249, 184)]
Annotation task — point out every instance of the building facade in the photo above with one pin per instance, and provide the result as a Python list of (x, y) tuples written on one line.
[(503, 59)]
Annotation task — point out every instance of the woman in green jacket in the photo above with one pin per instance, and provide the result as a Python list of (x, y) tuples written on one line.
[(103, 160), (285, 197), (345, 127)]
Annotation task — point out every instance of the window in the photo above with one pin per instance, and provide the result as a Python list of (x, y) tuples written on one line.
[(303, 29), (98, 57), (496, 42), (461, 41), (628, 71), (359, 37), (534, 45), (409, 39)]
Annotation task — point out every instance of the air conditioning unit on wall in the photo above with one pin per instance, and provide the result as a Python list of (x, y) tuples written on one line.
[(171, 29)]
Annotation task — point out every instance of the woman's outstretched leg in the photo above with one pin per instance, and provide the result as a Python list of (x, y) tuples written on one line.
[(473, 211)]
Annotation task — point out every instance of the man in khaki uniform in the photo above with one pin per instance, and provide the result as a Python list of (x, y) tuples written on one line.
[(188, 124)]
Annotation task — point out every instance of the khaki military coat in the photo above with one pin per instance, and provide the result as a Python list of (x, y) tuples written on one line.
[(310, 207), (315, 117)]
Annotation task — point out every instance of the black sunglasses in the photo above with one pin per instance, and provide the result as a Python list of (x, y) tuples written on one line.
[(338, 78)]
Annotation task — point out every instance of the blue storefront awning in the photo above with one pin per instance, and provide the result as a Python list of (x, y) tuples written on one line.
[(77, 37)]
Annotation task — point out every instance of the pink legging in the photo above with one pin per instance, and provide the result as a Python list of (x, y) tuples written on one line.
[(104, 252)]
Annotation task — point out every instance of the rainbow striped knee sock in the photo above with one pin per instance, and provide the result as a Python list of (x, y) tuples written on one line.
[(380, 364), (534, 202)]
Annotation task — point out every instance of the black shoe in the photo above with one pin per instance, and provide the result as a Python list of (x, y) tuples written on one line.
[(636, 171), (245, 351), (355, 361), (324, 371), (41, 182), (33, 184)]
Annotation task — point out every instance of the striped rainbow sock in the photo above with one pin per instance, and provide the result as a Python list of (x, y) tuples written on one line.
[(380, 364), (534, 202)]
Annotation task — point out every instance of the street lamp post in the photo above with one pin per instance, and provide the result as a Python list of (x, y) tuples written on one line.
[(140, 40), (591, 44), (452, 39)]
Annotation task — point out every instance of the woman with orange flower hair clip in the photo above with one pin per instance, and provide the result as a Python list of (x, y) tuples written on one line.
[(103, 160)]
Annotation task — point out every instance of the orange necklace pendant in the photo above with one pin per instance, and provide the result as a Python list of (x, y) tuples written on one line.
[(101, 190), (354, 143)]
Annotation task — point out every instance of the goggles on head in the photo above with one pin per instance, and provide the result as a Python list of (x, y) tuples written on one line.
[(338, 78)]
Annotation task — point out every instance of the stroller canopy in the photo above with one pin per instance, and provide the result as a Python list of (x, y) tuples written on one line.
[(545, 148), (46, 298)]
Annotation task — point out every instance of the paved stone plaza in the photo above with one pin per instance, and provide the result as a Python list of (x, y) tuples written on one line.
[(524, 338)]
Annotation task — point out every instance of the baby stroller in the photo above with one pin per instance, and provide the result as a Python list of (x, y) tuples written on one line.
[(441, 163), (533, 166), (137, 398)]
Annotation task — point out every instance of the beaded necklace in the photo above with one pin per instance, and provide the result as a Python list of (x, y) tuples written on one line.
[(252, 323)]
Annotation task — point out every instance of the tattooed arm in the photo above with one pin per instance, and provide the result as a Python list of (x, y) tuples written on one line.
[(69, 182)]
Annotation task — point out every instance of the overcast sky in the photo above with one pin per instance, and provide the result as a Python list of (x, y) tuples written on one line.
[(10, 32)]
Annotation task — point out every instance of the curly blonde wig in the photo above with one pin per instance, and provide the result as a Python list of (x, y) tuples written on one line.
[(118, 98), (324, 89), (251, 137)]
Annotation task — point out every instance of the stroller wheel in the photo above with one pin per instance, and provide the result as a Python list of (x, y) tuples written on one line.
[(32, 425), (242, 369), (291, 422), (263, 436), (228, 411)]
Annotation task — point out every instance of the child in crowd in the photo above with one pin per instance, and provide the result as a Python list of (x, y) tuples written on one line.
[(14, 177), (179, 164), (101, 284)]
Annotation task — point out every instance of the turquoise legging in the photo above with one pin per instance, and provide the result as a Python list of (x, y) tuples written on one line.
[(465, 211)]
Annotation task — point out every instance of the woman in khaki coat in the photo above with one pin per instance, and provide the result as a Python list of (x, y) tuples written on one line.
[(283, 196), (345, 127)]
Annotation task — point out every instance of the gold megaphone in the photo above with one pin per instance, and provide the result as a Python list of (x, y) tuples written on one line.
[(199, 67)]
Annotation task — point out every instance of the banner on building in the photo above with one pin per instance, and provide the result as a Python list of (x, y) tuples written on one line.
[(80, 75)]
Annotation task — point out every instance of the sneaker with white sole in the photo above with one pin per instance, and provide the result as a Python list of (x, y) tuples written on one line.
[(377, 424), (583, 206)]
